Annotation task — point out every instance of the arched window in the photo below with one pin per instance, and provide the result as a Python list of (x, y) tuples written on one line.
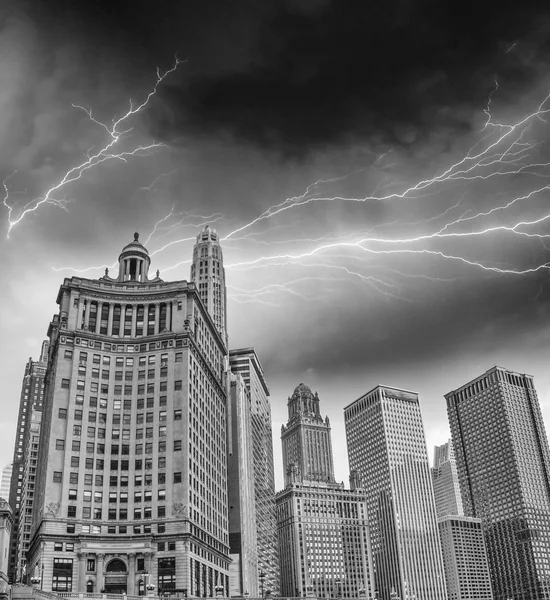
[(90, 587), (141, 588), (116, 566)]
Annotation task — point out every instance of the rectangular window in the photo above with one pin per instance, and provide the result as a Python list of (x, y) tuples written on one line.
[(87, 495), (57, 476), (71, 512), (65, 384), (75, 446), (62, 577), (62, 414), (178, 384), (177, 415), (88, 479), (75, 461), (69, 354), (177, 477), (78, 415), (77, 429), (60, 444), (86, 512), (177, 445)]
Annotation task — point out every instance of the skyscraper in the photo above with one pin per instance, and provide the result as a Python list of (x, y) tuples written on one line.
[(244, 361), (208, 274), (32, 396), (448, 500), (503, 464), (465, 558), (324, 544), (243, 573), (306, 438), (132, 478), (386, 445)]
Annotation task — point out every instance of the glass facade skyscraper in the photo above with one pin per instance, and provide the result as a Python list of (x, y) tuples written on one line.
[(503, 464), (386, 445), (448, 500)]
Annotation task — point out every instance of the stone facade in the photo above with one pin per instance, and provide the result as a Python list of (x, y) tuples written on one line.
[(132, 474), (6, 525)]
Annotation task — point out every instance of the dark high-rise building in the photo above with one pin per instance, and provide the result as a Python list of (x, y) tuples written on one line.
[(324, 544), (503, 463), (131, 489), (32, 396), (244, 361), (387, 447), (306, 438)]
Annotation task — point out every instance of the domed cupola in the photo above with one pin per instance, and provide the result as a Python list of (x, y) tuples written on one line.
[(134, 262)]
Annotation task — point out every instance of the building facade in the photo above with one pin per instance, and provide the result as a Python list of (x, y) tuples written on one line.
[(208, 274), (387, 447), (448, 500), (306, 438), (6, 527), (32, 397), (243, 575), (244, 361), (324, 543), (503, 464), (132, 475), (465, 558)]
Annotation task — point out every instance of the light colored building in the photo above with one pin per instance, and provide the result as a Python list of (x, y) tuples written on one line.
[(503, 462), (6, 527), (448, 500), (465, 558), (306, 438), (387, 447), (244, 361), (5, 483), (243, 573), (324, 544), (132, 472), (208, 274), (31, 400)]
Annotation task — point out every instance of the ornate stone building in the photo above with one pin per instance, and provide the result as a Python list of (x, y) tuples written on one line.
[(132, 475), (6, 525)]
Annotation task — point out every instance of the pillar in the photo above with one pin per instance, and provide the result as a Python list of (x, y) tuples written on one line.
[(110, 321), (99, 567), (122, 320), (79, 314), (98, 317), (134, 320), (145, 318), (157, 317), (131, 575), (169, 316), (82, 572), (87, 315)]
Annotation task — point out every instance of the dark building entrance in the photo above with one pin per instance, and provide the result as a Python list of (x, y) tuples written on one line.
[(116, 577)]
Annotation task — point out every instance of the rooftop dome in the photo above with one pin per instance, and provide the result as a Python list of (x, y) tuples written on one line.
[(135, 245), (302, 388)]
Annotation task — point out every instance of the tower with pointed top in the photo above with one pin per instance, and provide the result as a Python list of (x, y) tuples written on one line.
[(208, 274), (306, 438)]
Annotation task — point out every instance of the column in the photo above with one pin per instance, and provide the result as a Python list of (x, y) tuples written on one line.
[(157, 317), (110, 321), (87, 315), (81, 572), (169, 316), (99, 567), (122, 320), (134, 320), (98, 317), (79, 314), (131, 575), (145, 318)]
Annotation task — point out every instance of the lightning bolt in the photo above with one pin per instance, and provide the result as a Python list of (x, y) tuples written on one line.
[(116, 132)]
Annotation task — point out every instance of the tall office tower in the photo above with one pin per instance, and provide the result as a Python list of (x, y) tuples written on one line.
[(386, 445), (324, 544), (503, 464), (465, 558), (6, 527), (306, 437), (243, 571), (448, 500), (23, 532), (244, 361), (32, 396), (5, 483), (208, 274), (132, 476)]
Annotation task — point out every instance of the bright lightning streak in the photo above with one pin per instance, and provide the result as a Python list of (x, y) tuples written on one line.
[(115, 133)]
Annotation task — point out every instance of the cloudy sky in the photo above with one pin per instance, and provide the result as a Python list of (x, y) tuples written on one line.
[(378, 172)]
